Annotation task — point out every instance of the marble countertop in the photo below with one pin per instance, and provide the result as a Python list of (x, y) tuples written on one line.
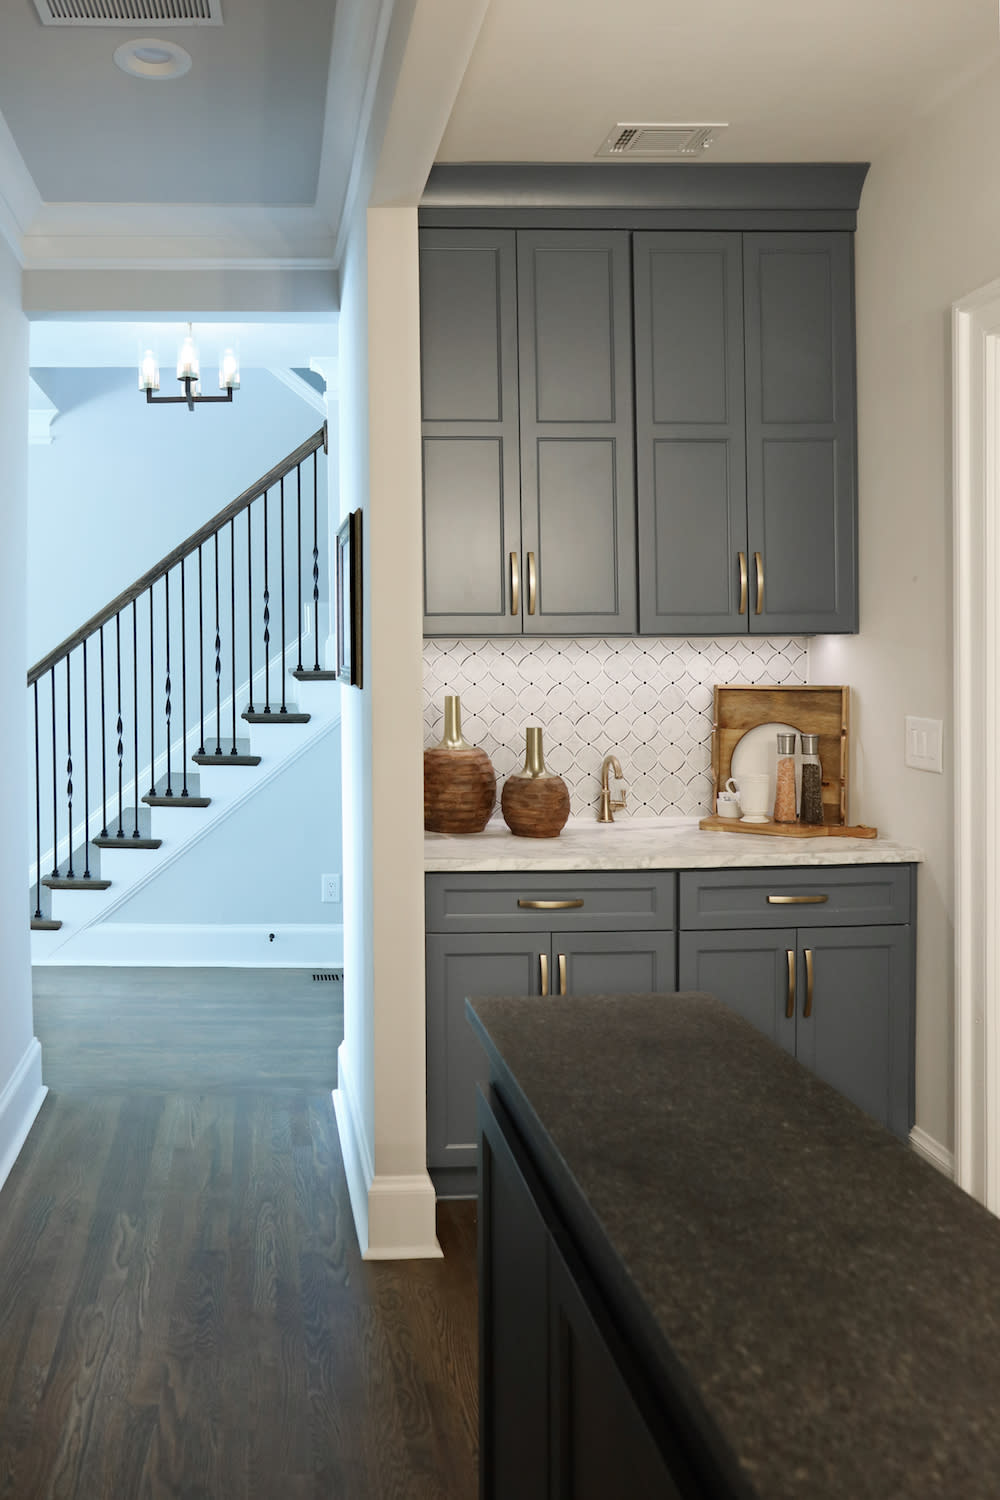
[(649, 844), (833, 1301)]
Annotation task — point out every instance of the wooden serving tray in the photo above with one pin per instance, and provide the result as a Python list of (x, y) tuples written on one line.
[(790, 830), (811, 709)]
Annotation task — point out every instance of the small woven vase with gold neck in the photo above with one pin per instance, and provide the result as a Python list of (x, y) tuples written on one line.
[(535, 801), (460, 785)]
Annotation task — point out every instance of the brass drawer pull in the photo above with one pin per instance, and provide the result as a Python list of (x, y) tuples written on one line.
[(543, 965), (744, 583), (796, 900), (790, 1002), (808, 1007), (515, 586), (532, 583), (759, 565), (553, 905), (562, 973)]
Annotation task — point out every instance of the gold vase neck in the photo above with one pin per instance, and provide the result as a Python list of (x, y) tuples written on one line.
[(534, 759), (453, 724)]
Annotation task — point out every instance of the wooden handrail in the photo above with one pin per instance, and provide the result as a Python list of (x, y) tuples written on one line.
[(202, 535)]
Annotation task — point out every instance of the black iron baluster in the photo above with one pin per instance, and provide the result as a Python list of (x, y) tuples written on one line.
[(135, 711), (218, 658), (104, 748), (250, 708), (298, 591), (119, 725), (38, 815), (86, 773), (55, 779), (184, 700), (232, 618), (69, 772), (168, 790), (152, 703), (267, 623), (201, 653), (281, 517), (316, 560)]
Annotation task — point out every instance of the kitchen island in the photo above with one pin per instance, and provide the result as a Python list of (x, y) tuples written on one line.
[(705, 1273)]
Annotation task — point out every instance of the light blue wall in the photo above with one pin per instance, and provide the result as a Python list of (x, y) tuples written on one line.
[(263, 864), (122, 483)]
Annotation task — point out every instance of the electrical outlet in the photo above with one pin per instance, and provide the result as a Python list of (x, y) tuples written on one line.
[(924, 744), (329, 887)]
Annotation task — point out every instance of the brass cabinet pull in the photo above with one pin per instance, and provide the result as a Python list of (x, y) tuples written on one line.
[(515, 586), (744, 583), (526, 905), (532, 583), (562, 973), (796, 900), (543, 965), (790, 1002), (807, 1009), (759, 565)]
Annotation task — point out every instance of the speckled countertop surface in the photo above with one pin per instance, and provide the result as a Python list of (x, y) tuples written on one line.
[(648, 844), (834, 1300)]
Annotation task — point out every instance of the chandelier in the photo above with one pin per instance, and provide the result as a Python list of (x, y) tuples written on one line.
[(189, 373)]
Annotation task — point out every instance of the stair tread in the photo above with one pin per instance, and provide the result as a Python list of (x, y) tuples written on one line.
[(309, 674), (210, 758), (74, 883), (45, 924), (126, 841), (175, 801), (275, 717)]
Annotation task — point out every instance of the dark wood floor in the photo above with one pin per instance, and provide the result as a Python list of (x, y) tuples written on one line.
[(184, 1311)]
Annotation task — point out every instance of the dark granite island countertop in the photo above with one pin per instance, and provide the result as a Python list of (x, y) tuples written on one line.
[(831, 1302)]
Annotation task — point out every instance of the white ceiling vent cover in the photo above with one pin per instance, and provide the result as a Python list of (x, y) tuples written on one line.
[(649, 142), (129, 12)]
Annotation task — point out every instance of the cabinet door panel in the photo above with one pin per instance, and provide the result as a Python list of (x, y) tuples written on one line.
[(457, 967), (575, 371), (859, 1035), (468, 360), (800, 423), (616, 963), (748, 971), (690, 439)]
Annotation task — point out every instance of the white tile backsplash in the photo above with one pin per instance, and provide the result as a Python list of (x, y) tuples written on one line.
[(647, 701)]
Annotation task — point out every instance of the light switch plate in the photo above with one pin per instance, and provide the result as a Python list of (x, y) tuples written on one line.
[(924, 740)]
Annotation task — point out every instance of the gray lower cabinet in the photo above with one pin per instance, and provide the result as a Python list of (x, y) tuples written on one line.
[(540, 934), (526, 383), (838, 995), (745, 432)]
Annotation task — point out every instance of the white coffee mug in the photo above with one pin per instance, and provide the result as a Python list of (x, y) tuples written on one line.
[(755, 797), (728, 805)]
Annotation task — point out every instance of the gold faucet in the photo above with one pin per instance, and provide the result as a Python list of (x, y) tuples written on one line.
[(608, 806)]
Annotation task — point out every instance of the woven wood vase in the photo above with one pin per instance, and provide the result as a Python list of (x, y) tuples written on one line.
[(535, 802), (460, 785)]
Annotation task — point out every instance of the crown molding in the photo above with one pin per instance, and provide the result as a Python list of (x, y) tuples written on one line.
[(19, 197)]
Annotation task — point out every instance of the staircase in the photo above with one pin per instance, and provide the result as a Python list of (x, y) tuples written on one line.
[(162, 713)]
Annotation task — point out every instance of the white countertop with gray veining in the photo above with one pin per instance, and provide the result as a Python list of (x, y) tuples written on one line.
[(649, 844)]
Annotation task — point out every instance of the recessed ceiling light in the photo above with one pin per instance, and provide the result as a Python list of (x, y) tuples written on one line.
[(147, 57)]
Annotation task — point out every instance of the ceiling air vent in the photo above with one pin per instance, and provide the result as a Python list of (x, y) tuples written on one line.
[(129, 12), (659, 142)]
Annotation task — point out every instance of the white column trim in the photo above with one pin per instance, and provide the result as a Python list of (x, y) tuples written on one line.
[(976, 536)]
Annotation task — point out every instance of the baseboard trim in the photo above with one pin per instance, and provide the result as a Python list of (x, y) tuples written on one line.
[(313, 945), (19, 1105), (931, 1150), (353, 1146)]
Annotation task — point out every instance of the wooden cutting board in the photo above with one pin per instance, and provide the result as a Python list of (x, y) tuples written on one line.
[(790, 830)]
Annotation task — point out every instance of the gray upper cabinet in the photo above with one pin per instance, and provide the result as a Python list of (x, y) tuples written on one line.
[(745, 433), (529, 493), (468, 355)]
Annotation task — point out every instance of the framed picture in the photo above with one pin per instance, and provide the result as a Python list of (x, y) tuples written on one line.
[(349, 581)]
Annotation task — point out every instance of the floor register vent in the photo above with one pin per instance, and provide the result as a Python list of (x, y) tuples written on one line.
[(129, 12), (659, 142)]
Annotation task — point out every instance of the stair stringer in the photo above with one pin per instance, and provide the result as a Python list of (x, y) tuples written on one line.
[(230, 788)]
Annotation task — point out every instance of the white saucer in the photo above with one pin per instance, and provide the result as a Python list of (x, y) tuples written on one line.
[(757, 750)]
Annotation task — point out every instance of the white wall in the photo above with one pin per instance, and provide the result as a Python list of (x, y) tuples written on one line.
[(928, 233), (20, 1057)]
